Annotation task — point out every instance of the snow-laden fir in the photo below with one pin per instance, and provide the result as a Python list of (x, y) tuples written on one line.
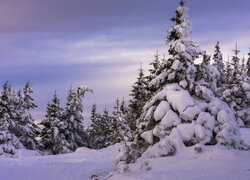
[(184, 109)]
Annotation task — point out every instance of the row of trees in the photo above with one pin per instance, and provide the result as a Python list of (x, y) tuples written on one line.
[(106, 130), (62, 130)]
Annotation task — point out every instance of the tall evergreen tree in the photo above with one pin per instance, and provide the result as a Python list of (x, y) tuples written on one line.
[(176, 106)]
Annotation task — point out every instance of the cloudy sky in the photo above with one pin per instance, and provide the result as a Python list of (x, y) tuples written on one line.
[(57, 44)]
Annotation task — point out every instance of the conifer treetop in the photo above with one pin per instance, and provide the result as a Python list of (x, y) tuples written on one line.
[(183, 27)]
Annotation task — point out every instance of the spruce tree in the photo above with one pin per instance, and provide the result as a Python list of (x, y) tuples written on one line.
[(138, 98), (121, 128), (206, 74), (26, 130), (101, 129), (9, 143), (243, 66), (49, 134), (71, 131), (218, 63), (107, 122), (176, 106), (155, 66), (95, 129)]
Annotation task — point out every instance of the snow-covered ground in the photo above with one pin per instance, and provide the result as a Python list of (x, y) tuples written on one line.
[(80, 165), (213, 163)]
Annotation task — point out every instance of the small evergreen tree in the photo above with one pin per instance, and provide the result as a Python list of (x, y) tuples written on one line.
[(138, 99), (156, 66), (95, 129), (207, 75), (228, 72), (121, 128), (26, 130), (71, 131), (101, 130), (218, 63), (9, 143), (49, 134), (243, 66)]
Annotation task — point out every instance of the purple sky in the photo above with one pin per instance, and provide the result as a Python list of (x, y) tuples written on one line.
[(100, 43)]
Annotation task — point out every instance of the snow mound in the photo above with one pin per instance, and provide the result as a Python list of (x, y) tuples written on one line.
[(179, 98), (211, 162)]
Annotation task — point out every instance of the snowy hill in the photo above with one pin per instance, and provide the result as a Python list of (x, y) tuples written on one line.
[(214, 162)]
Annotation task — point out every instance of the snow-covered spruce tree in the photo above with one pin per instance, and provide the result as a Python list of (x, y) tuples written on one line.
[(236, 91), (243, 67), (100, 130), (125, 112), (108, 122), (206, 74), (155, 67), (95, 129), (25, 128), (228, 72), (9, 143), (138, 98), (71, 133), (218, 63), (49, 134), (155, 70), (121, 130), (181, 113)]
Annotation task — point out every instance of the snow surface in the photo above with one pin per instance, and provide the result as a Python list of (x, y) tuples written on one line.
[(80, 165), (214, 162), (211, 163)]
